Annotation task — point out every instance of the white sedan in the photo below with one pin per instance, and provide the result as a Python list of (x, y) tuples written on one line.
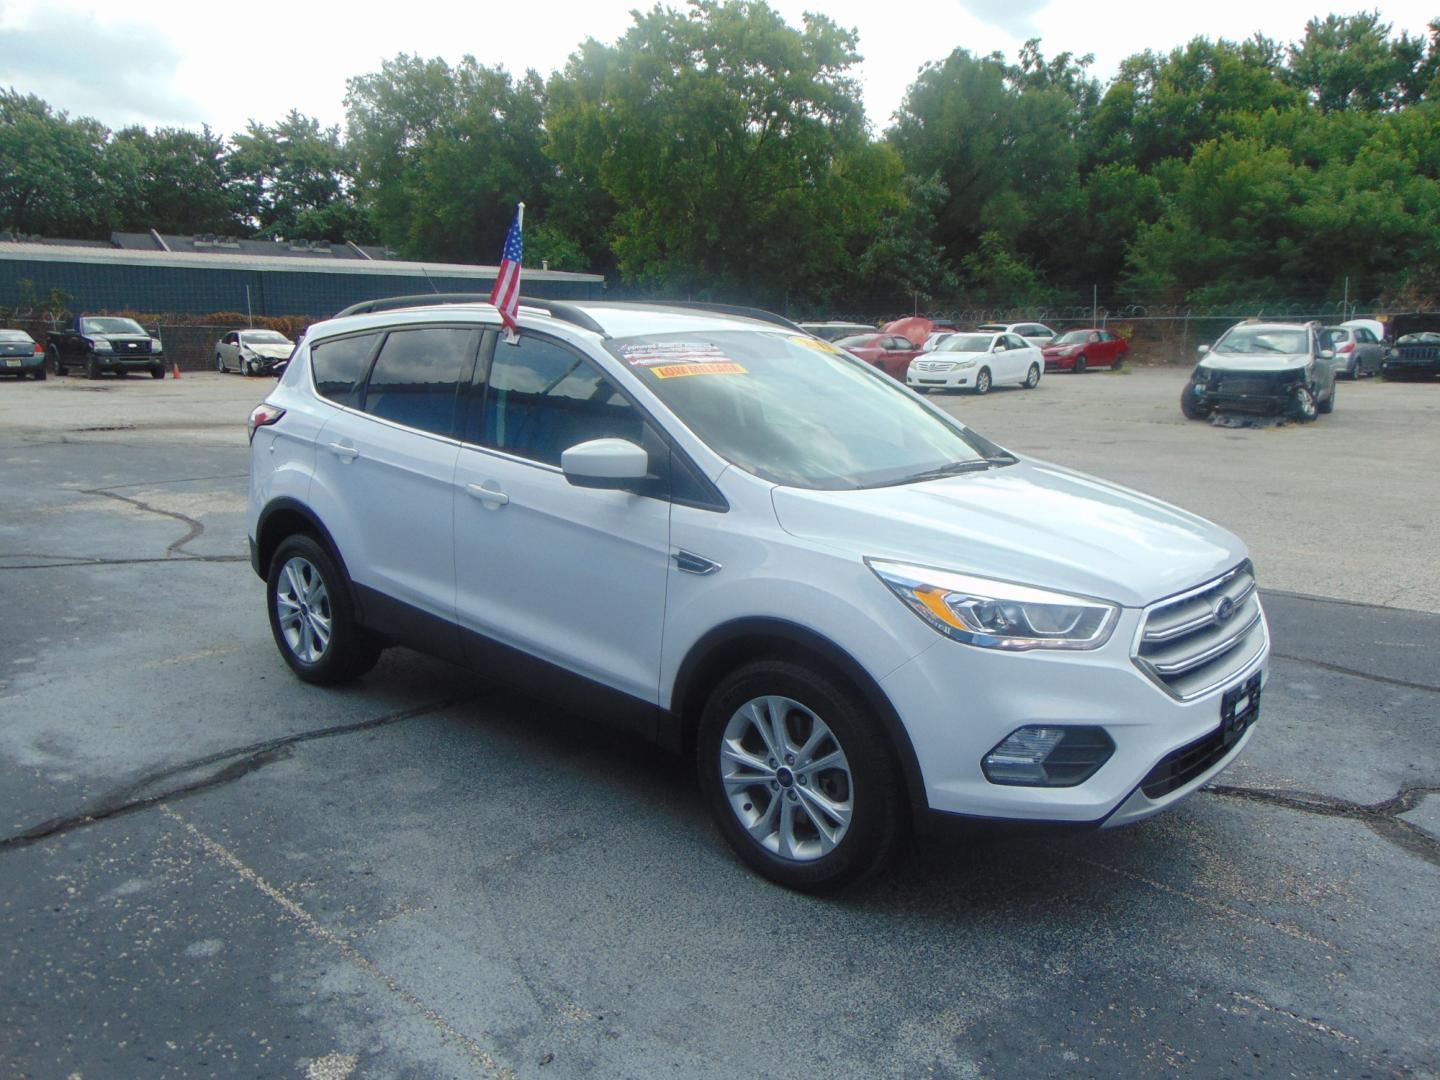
[(969, 361), (254, 352)]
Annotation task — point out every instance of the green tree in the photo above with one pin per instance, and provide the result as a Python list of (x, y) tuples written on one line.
[(1351, 62), (444, 153), (296, 179), (180, 180), (724, 150), (53, 179)]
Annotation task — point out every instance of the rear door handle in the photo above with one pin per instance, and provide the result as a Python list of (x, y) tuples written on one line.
[(487, 494), (340, 450)]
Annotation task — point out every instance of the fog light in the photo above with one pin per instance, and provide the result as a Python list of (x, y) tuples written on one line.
[(1036, 756)]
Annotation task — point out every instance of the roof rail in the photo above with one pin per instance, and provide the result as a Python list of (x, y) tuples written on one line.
[(391, 303), (759, 314), (556, 309)]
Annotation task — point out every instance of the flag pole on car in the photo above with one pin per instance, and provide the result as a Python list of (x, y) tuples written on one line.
[(506, 293)]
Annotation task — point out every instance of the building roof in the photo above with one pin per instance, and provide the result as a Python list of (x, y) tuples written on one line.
[(265, 258)]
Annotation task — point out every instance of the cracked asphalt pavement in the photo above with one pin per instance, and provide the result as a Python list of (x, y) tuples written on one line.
[(208, 868)]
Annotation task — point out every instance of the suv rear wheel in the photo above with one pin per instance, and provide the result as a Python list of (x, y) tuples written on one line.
[(799, 776), (311, 616)]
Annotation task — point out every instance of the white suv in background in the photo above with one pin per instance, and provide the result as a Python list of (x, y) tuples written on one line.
[(735, 538)]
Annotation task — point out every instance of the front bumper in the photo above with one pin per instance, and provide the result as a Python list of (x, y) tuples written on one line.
[(952, 380), (1404, 368), (112, 362), (958, 702), (1257, 392)]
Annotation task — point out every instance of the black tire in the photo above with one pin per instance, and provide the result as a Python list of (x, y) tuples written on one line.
[(1117, 363), (1032, 377), (1354, 373), (220, 364), (250, 367), (1081, 364), (53, 356), (982, 381), (878, 818), (92, 368), (157, 372), (1327, 406), (39, 374), (1303, 407), (1192, 406), (351, 650)]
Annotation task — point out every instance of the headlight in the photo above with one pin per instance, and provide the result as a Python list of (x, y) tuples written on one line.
[(102, 345), (964, 364), (998, 614), (156, 345)]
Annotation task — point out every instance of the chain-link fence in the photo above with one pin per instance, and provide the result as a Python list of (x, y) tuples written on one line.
[(190, 344)]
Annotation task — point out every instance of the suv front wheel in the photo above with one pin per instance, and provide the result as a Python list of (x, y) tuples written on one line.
[(799, 776), (312, 618)]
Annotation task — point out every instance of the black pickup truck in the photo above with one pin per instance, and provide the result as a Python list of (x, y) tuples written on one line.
[(97, 343), (1414, 350)]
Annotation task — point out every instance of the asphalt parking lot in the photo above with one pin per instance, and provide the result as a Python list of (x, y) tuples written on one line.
[(208, 868)]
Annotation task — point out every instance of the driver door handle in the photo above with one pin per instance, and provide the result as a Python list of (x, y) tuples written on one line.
[(487, 494), (340, 450)]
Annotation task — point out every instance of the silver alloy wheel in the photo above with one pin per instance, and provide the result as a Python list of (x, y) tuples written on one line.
[(1032, 377), (982, 381), (787, 778), (302, 605), (1304, 403)]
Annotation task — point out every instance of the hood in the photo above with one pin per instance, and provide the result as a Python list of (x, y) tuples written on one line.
[(917, 328), (1053, 348), (273, 352), (1213, 361), (1031, 522), (953, 354), (1401, 325), (118, 337)]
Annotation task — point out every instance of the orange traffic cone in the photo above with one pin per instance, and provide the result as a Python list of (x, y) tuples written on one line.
[(175, 369)]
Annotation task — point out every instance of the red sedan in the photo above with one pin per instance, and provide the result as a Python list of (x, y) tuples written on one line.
[(1078, 350), (891, 353)]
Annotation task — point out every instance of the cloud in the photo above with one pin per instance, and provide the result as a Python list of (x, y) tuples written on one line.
[(119, 73), (1015, 17)]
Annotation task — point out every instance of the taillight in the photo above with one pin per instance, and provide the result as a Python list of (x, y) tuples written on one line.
[(39, 349), (263, 416), (1346, 347)]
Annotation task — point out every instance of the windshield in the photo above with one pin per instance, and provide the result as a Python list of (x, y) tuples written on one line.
[(1264, 339), (264, 337), (799, 412), (1074, 337), (15, 335), (111, 326), (965, 343)]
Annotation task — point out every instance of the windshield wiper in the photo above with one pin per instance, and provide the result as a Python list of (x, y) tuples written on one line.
[(952, 468)]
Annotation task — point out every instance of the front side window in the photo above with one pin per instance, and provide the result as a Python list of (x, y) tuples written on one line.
[(1014, 341), (796, 411), (339, 366), (417, 374), (542, 398)]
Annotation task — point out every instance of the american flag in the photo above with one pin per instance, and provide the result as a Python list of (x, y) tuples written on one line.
[(506, 294)]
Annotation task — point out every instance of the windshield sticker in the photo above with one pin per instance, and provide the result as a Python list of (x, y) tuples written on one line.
[(679, 371), (817, 343), (672, 352)]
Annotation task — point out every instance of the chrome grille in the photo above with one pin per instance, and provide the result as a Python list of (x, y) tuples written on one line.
[(1192, 643), (934, 365)]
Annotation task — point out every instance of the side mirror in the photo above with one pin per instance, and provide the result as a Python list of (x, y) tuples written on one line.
[(614, 464), (1204, 349), (1327, 354)]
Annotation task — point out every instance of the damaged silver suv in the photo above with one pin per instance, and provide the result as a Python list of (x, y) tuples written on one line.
[(1263, 367)]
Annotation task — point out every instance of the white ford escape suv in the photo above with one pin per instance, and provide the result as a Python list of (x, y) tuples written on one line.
[(735, 538)]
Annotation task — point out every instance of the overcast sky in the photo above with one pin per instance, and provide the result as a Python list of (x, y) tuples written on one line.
[(177, 62)]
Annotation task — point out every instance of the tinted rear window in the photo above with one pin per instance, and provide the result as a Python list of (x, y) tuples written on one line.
[(416, 376), (339, 366)]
